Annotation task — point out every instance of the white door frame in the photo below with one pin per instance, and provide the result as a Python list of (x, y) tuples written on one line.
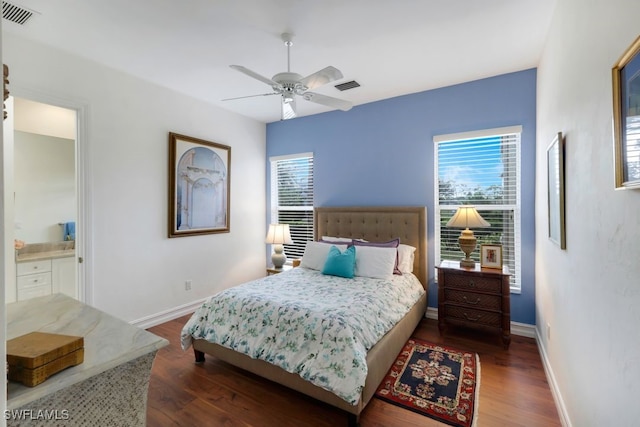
[(84, 248)]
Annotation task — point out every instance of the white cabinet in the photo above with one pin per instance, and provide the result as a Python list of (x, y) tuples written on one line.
[(33, 279), (63, 276), (46, 276)]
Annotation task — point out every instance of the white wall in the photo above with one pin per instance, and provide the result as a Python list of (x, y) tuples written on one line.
[(44, 186), (3, 266), (589, 293), (136, 271), (44, 119)]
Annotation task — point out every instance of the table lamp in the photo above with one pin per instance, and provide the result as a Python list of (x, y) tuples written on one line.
[(278, 235), (467, 216)]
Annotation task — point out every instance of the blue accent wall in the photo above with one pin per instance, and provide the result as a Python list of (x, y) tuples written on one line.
[(381, 153)]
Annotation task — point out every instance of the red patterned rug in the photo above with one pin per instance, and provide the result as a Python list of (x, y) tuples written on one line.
[(436, 381)]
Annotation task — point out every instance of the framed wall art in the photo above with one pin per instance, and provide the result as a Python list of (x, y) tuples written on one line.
[(626, 118), (199, 186), (491, 256), (555, 190)]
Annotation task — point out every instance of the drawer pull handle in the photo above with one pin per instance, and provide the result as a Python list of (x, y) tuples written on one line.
[(35, 267), (476, 302), (466, 316), (472, 284)]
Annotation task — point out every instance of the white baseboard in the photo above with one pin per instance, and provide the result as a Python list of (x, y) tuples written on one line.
[(167, 315), (517, 328), (553, 385)]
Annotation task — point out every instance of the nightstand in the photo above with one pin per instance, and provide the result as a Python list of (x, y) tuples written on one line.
[(273, 270), (475, 297)]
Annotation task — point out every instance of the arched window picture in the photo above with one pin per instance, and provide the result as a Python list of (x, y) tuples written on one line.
[(626, 118), (199, 184)]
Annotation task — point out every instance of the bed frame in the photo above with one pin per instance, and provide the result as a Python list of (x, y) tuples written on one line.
[(375, 224)]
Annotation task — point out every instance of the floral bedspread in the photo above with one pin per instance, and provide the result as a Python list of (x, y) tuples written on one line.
[(319, 327)]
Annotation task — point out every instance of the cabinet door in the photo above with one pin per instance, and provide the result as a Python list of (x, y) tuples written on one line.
[(63, 276)]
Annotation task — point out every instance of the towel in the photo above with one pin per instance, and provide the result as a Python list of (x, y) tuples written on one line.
[(69, 231)]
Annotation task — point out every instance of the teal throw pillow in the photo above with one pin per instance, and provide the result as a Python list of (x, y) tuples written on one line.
[(341, 264)]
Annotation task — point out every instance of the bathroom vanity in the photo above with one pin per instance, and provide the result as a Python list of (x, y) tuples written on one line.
[(45, 269)]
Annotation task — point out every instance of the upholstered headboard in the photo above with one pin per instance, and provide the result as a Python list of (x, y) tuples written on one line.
[(379, 224)]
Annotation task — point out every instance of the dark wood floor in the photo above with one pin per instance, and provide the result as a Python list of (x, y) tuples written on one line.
[(513, 389)]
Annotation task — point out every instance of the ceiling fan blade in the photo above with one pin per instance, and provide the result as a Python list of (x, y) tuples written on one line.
[(255, 75), (288, 107), (250, 96), (327, 100), (321, 77)]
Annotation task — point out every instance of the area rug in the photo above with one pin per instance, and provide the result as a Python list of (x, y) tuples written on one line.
[(436, 381)]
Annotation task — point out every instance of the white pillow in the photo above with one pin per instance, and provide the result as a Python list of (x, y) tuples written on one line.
[(375, 262), (337, 239), (315, 254), (405, 258)]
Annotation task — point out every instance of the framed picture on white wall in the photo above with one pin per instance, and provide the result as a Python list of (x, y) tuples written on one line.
[(555, 190), (626, 118), (199, 186)]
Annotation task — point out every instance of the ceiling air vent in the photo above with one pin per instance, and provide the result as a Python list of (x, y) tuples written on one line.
[(16, 14), (348, 85)]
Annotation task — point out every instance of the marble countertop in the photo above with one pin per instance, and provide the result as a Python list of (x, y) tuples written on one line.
[(49, 250), (37, 256), (108, 341)]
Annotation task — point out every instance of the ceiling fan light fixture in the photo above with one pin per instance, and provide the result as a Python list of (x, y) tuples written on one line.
[(288, 108), (287, 98)]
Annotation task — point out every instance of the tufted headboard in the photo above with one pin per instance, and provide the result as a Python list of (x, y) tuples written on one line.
[(379, 224)]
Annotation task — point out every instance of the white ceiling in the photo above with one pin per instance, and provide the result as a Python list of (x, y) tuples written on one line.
[(391, 48)]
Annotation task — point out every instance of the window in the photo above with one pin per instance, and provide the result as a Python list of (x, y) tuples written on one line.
[(481, 169), (292, 198)]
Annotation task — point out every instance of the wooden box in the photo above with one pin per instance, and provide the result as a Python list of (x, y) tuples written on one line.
[(34, 357)]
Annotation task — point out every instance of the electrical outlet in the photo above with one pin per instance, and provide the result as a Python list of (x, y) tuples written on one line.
[(187, 285), (548, 331)]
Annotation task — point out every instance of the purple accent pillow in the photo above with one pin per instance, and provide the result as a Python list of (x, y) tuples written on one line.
[(337, 242), (390, 244)]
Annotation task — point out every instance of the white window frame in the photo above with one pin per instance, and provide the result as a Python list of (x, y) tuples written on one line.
[(516, 279), (296, 250)]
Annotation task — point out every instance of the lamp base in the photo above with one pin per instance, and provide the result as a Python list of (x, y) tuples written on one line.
[(467, 263), (278, 258), (467, 243)]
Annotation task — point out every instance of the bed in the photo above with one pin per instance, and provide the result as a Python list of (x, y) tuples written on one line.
[(373, 224)]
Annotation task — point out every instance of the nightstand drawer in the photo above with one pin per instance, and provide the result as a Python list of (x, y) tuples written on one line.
[(474, 283), (473, 300), (473, 316)]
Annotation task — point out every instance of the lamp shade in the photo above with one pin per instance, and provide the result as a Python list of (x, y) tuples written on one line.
[(278, 234), (467, 217)]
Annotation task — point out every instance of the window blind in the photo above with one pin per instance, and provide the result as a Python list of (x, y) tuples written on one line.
[(483, 171), (292, 199)]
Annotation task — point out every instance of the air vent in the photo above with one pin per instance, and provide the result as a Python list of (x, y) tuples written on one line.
[(16, 14), (348, 85)]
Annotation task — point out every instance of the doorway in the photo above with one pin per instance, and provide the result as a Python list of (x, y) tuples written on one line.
[(47, 227)]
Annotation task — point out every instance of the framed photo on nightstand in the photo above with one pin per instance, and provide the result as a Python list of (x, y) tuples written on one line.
[(491, 256)]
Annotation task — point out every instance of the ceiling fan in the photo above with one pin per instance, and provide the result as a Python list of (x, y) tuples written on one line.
[(288, 85)]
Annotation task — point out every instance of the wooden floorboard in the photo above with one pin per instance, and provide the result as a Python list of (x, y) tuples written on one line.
[(513, 389)]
